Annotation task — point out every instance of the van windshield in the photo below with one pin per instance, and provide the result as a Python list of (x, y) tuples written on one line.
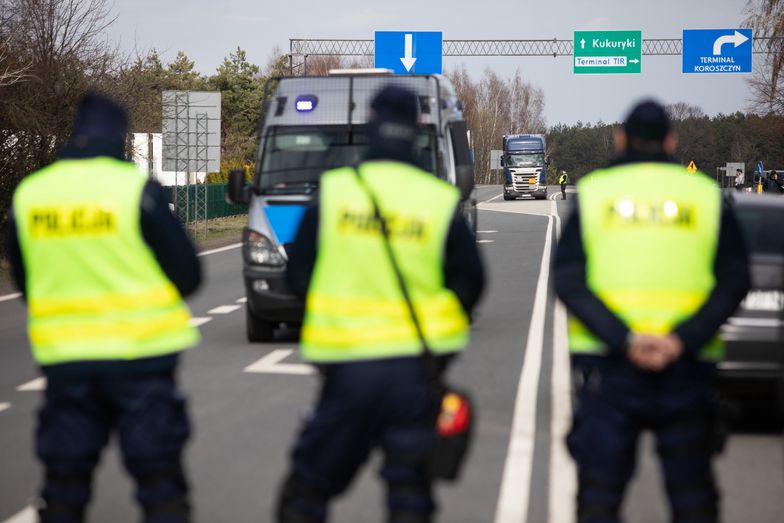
[(294, 158), (525, 160)]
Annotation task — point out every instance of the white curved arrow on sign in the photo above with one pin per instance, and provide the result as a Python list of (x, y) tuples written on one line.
[(738, 38)]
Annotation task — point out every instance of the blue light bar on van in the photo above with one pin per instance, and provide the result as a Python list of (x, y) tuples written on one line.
[(306, 103)]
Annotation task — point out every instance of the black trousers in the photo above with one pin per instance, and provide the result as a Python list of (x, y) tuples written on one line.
[(615, 403), (363, 405), (77, 417)]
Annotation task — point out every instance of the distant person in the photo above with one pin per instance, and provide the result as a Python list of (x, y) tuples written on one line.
[(563, 180), (103, 266), (739, 179), (650, 264), (776, 185), (358, 328)]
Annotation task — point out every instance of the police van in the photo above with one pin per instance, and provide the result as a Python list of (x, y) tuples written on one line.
[(313, 124)]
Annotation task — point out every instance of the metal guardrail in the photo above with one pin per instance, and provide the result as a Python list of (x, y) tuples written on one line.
[(554, 47)]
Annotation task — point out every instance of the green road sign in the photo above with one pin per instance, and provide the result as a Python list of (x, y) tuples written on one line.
[(604, 52)]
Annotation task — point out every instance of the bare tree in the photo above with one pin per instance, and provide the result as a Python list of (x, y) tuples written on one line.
[(679, 111), (493, 107), (62, 48), (12, 68), (766, 17), (526, 107)]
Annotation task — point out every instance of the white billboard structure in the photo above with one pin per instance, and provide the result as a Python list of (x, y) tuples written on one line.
[(495, 159), (191, 147)]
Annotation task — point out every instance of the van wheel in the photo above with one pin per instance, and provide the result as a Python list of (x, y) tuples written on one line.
[(507, 197), (258, 330)]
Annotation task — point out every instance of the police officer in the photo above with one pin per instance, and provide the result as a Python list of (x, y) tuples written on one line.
[(650, 265), (103, 266), (357, 328), (562, 181)]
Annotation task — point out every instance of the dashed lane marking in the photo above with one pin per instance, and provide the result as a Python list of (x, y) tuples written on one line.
[(221, 249), (198, 321), (270, 364), (28, 515), (224, 309), (33, 385), (4, 406), (486, 232), (485, 241), (243, 300), (12, 296)]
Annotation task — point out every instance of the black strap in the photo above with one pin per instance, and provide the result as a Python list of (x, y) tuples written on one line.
[(427, 354)]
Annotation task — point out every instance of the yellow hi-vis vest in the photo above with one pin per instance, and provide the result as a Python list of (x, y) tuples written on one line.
[(94, 288), (564, 178), (354, 308), (650, 233)]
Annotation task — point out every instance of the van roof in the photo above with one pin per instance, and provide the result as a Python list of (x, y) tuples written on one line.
[(326, 100)]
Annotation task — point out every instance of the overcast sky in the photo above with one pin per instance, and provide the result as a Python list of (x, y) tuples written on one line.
[(207, 31)]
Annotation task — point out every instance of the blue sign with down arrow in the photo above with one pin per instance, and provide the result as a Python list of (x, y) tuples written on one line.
[(409, 52)]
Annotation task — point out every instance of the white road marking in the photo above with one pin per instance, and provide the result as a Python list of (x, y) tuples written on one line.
[(520, 211), (33, 385), (28, 515), (243, 300), (563, 475), (4, 406), (9, 297), (513, 499), (491, 199), (224, 309), (270, 364), (485, 241), (199, 321), (221, 249), (486, 232)]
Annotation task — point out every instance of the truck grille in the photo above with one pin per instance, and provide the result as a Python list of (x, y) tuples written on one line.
[(523, 182)]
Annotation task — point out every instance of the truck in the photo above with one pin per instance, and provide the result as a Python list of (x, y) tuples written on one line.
[(524, 161), (311, 125)]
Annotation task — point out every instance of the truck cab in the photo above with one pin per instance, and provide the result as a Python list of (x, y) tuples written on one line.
[(309, 126), (525, 166)]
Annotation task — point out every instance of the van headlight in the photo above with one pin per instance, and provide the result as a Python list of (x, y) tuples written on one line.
[(260, 250)]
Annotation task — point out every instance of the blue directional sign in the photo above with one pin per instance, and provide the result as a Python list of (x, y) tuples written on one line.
[(717, 50), (409, 52)]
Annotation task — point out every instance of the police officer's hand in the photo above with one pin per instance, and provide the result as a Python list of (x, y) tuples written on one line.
[(671, 348), (645, 353), (654, 353)]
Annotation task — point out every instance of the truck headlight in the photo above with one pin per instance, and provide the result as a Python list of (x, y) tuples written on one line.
[(260, 250)]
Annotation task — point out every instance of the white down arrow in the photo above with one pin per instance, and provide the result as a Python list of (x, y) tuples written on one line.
[(409, 60)]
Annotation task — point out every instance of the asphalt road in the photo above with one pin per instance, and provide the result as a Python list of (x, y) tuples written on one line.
[(517, 367)]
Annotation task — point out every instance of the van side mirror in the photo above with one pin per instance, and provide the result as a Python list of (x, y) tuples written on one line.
[(502, 161), (238, 191), (464, 167)]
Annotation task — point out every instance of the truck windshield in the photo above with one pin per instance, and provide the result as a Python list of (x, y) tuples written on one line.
[(525, 160), (294, 158)]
